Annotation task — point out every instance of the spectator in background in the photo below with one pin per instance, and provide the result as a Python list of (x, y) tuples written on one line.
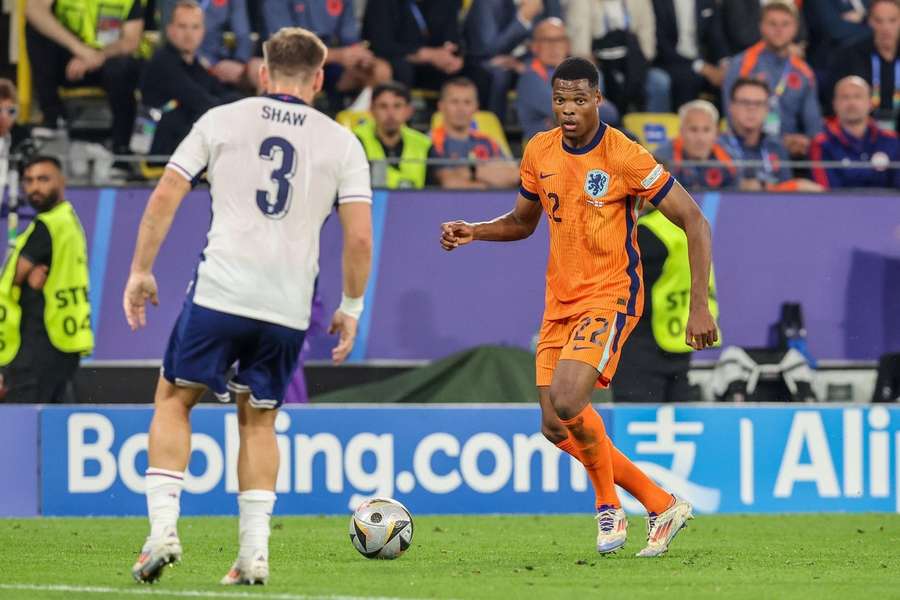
[(177, 82), (455, 138), (550, 46), (697, 142), (492, 31), (853, 136), (833, 23), (740, 21), (794, 115), (622, 35), (236, 66), (747, 140), (420, 39), (11, 134), (876, 59), (68, 48), (350, 65), (387, 138), (690, 46)]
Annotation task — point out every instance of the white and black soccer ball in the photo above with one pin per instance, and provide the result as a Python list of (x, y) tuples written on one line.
[(381, 528)]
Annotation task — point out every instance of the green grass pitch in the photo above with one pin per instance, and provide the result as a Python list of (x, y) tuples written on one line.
[(535, 557)]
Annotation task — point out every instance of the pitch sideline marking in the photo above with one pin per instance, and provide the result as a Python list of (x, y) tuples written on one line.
[(179, 593)]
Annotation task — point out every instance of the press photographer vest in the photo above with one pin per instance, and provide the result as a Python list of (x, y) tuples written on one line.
[(67, 311), (96, 23), (415, 146), (671, 293)]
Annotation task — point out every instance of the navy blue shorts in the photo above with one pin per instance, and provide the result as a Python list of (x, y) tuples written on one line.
[(205, 343)]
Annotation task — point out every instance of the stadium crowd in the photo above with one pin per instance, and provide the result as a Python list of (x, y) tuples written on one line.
[(792, 80)]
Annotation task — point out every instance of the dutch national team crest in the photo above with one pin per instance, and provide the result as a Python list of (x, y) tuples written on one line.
[(596, 183)]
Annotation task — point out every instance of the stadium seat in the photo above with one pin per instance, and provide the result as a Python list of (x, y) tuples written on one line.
[(352, 118), (485, 122), (652, 129)]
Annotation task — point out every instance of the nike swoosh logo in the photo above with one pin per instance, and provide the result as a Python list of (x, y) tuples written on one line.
[(582, 347), (543, 176)]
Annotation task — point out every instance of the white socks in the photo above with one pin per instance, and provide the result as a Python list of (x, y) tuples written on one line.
[(163, 499), (256, 510)]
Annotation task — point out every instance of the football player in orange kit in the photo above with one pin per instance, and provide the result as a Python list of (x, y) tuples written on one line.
[(591, 180)]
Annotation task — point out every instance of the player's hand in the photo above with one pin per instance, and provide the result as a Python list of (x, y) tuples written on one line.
[(701, 329), (344, 325), (140, 288), (455, 234)]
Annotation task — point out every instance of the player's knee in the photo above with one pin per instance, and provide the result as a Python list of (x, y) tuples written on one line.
[(554, 431), (565, 402)]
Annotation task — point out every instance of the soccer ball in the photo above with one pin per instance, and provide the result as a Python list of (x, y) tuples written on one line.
[(381, 528)]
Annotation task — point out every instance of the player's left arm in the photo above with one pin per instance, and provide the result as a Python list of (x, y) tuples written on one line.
[(155, 224), (680, 208)]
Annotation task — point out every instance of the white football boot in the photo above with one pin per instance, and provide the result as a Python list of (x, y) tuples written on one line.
[(662, 528), (253, 571), (155, 555), (612, 529)]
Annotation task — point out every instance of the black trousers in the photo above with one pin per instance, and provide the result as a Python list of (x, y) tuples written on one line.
[(118, 77), (647, 374), (41, 374), (686, 85)]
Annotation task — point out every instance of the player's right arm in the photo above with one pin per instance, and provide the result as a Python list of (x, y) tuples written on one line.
[(188, 161), (517, 224)]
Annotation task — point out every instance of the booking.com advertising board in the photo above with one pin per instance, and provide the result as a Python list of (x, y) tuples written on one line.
[(481, 459)]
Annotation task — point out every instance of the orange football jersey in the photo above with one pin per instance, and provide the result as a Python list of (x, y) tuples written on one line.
[(592, 196)]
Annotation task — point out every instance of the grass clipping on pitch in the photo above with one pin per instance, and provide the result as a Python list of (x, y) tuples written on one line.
[(801, 556)]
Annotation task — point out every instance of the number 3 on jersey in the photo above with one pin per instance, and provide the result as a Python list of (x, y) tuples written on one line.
[(271, 149)]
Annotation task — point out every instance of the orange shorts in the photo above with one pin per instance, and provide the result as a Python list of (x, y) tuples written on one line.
[(594, 337)]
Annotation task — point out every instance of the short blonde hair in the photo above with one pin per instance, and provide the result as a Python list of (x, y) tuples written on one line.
[(787, 6), (294, 52), (701, 105)]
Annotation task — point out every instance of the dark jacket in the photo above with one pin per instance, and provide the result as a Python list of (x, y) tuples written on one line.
[(394, 31), (168, 77), (492, 27), (740, 24), (835, 144), (712, 44)]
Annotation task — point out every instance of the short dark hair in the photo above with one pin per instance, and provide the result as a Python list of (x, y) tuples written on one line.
[(749, 81), (575, 68), (458, 82), (875, 3), (39, 159), (394, 87), (191, 4), (8, 90)]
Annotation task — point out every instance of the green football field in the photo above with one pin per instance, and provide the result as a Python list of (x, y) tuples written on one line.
[(535, 557)]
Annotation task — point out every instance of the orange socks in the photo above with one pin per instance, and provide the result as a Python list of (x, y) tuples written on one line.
[(625, 474), (587, 435), (630, 478)]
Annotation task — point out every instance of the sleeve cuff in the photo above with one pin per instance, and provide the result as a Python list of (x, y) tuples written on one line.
[(663, 191), (530, 195), (181, 170)]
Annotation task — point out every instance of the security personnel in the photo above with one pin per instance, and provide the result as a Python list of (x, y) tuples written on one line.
[(655, 361), (388, 137), (45, 314)]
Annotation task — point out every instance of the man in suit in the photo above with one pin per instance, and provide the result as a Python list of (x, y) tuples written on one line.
[(690, 46)]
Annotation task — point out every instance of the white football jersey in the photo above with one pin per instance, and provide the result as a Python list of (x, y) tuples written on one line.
[(275, 167)]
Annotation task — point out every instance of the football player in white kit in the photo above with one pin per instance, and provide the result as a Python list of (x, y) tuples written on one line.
[(275, 166)]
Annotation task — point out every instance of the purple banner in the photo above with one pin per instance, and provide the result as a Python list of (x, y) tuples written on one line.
[(838, 256), (19, 461)]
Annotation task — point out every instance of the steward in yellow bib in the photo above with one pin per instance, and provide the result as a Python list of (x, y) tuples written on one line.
[(45, 314), (86, 43), (388, 137), (655, 361)]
